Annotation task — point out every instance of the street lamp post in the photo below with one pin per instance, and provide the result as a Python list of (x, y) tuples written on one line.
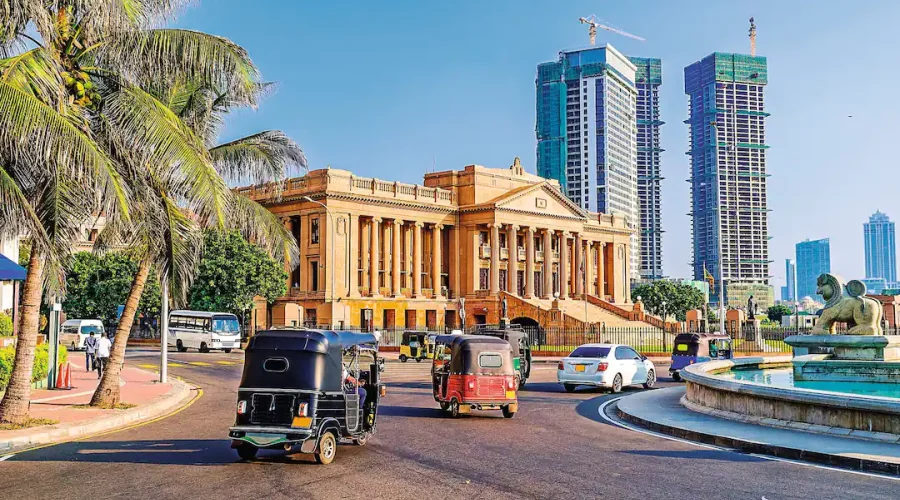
[(164, 330), (331, 243), (797, 315)]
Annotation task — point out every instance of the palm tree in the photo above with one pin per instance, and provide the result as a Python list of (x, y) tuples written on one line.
[(164, 235), (77, 115)]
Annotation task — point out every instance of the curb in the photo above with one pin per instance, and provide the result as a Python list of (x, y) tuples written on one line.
[(178, 396), (852, 463)]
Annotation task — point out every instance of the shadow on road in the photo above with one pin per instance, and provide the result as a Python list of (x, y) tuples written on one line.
[(725, 456), (410, 411)]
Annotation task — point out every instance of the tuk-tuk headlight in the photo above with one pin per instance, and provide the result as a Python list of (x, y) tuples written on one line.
[(303, 409), (241, 407)]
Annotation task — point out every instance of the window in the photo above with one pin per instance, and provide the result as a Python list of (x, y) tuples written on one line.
[(626, 353), (228, 324), (591, 352), (88, 329), (490, 360), (483, 276), (314, 276), (314, 232)]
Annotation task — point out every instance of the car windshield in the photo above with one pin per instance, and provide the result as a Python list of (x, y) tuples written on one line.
[(88, 329), (226, 324), (590, 352)]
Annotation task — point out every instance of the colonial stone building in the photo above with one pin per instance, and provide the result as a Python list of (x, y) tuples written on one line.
[(393, 255)]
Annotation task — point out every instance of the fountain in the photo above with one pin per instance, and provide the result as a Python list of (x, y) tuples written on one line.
[(834, 383)]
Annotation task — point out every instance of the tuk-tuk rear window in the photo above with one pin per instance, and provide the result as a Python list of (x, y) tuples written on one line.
[(590, 352), (490, 360), (686, 349)]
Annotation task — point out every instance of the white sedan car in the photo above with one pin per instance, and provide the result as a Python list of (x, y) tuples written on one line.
[(605, 365)]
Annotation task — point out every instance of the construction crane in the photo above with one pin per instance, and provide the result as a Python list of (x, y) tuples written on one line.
[(752, 37), (593, 25)]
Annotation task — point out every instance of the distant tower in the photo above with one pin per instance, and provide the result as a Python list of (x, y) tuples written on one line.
[(813, 259), (881, 248)]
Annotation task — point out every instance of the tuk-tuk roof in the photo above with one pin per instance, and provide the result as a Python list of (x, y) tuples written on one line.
[(697, 337), (304, 339)]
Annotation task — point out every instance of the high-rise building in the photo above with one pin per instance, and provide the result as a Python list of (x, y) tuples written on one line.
[(647, 79), (728, 167), (788, 291), (881, 249), (587, 132), (813, 259)]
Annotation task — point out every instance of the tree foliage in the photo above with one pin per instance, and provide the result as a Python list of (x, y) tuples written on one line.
[(679, 298), (775, 313), (98, 285), (232, 272)]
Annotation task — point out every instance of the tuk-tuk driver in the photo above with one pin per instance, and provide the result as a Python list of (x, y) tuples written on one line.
[(353, 381)]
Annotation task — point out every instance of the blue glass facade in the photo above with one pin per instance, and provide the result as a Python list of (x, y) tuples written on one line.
[(813, 259), (881, 249)]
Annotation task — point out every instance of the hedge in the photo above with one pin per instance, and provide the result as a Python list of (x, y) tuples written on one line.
[(6, 326), (41, 368)]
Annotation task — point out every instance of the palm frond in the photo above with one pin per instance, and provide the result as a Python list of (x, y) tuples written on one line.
[(262, 227), (150, 136), (17, 215), (36, 72), (160, 58), (183, 243), (259, 158)]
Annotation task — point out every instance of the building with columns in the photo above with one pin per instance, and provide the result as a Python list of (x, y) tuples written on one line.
[(393, 255)]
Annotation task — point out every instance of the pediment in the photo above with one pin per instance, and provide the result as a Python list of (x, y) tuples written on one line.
[(542, 199)]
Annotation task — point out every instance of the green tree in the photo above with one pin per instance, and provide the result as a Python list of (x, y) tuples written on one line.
[(776, 312), (233, 272), (678, 298), (97, 285)]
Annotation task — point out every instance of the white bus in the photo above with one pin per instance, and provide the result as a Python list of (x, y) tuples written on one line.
[(204, 331)]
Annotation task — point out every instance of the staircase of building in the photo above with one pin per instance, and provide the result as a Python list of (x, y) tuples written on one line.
[(595, 310)]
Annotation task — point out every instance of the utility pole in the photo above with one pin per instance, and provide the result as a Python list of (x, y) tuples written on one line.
[(164, 331)]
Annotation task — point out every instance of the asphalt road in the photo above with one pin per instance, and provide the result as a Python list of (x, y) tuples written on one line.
[(555, 447)]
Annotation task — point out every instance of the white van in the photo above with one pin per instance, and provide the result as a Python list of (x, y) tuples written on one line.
[(204, 331), (73, 332)]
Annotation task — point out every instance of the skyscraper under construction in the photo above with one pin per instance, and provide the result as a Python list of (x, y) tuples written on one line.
[(728, 168)]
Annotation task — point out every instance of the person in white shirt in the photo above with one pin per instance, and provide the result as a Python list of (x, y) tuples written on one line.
[(103, 346)]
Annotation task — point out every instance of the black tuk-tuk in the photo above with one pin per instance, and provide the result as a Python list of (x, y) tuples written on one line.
[(299, 386), (518, 339), (690, 348)]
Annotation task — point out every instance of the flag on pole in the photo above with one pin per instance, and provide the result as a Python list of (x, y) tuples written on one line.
[(709, 277)]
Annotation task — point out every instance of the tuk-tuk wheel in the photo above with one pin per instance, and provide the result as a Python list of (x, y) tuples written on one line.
[(454, 408), (507, 413), (676, 376), (522, 381), (403, 358), (418, 360), (327, 449), (247, 451), (445, 406), (362, 440)]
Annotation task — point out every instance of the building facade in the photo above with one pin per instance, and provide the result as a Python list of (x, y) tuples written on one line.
[(412, 256), (586, 128), (881, 248), (647, 80), (789, 291), (728, 167), (738, 293), (813, 259)]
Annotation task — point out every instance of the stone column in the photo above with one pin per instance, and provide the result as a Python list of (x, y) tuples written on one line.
[(289, 227), (436, 260), (364, 253), (474, 259), (512, 262), (563, 265), (548, 264), (417, 259), (373, 254), (396, 229), (354, 256), (453, 259), (529, 262), (495, 259), (589, 268), (601, 270), (576, 269)]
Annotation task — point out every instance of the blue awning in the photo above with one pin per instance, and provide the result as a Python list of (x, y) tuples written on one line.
[(10, 271)]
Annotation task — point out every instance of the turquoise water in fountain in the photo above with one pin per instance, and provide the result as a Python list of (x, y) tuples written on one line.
[(784, 377)]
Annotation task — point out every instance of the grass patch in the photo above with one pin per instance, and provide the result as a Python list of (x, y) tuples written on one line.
[(31, 422), (120, 406)]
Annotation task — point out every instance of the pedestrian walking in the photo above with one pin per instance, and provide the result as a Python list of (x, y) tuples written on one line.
[(103, 346), (90, 349)]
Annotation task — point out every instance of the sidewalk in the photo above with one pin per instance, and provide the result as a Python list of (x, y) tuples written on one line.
[(66, 407)]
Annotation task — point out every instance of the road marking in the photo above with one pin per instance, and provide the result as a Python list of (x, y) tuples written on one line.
[(228, 362), (199, 363), (149, 366), (112, 431), (602, 411)]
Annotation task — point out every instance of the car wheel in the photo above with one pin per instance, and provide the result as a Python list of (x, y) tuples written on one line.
[(617, 383), (507, 413), (651, 380), (403, 358), (327, 449), (227, 351), (204, 347), (569, 387), (454, 408), (180, 346), (676, 376), (247, 451)]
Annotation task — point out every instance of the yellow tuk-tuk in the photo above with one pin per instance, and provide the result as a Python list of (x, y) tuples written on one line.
[(412, 346)]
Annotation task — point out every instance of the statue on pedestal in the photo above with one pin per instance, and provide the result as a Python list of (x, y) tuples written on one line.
[(752, 308)]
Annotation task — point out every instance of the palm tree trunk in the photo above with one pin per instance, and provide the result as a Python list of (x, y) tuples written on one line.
[(107, 394), (14, 407)]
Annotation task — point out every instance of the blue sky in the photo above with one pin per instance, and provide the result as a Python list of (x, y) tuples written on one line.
[(388, 89)]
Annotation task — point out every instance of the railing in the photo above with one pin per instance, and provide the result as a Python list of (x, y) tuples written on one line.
[(539, 255), (485, 251), (504, 253), (521, 253)]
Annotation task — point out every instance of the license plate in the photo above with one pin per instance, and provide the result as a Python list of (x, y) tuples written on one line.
[(579, 368), (510, 394)]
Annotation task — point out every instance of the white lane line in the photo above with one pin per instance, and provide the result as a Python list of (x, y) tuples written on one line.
[(7, 457), (602, 412)]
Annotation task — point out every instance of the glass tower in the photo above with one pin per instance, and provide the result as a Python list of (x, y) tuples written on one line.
[(881, 249), (813, 259)]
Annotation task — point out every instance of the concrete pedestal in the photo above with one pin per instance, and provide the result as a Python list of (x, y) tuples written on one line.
[(853, 358), (849, 347)]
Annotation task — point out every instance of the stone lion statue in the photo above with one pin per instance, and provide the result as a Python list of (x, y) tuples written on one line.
[(861, 314)]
